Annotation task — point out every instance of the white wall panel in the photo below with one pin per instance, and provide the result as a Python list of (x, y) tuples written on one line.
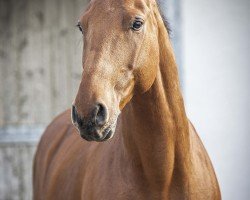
[(217, 79)]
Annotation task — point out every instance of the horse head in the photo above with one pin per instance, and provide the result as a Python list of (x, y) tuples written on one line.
[(121, 58)]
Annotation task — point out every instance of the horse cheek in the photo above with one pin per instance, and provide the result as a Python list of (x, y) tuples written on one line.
[(145, 74)]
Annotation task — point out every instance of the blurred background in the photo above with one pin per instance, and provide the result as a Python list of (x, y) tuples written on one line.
[(40, 69)]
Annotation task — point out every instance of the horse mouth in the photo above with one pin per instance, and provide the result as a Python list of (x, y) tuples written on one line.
[(90, 132), (109, 133), (98, 135)]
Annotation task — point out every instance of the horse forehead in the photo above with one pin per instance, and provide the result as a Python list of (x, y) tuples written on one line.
[(107, 5), (113, 10), (111, 5)]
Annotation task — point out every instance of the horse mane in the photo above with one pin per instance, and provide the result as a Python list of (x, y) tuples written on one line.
[(161, 6), (166, 23)]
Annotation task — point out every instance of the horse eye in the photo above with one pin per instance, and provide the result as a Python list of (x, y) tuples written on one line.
[(137, 25)]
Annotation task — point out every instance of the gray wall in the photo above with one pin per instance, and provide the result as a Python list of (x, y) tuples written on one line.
[(40, 69), (217, 79), (40, 59)]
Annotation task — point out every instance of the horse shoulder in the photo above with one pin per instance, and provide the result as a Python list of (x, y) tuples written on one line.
[(49, 158)]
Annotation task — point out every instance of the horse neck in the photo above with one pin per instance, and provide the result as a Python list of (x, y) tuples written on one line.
[(155, 126)]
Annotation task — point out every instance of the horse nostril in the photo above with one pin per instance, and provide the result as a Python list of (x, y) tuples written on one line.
[(101, 114), (75, 117)]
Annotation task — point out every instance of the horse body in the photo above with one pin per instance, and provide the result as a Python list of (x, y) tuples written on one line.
[(69, 168), (155, 152)]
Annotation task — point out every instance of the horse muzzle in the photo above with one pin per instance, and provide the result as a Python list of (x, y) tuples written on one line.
[(95, 127)]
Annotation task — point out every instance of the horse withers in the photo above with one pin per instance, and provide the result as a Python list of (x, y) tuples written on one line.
[(130, 137)]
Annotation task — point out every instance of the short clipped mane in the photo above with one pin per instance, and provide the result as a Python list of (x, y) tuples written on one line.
[(161, 6)]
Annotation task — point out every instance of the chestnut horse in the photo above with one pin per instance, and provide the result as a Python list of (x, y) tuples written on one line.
[(129, 92)]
